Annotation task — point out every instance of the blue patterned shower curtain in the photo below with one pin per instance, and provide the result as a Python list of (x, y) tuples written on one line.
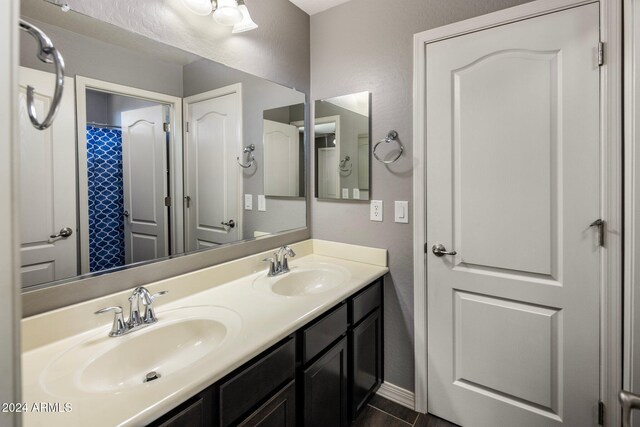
[(106, 198)]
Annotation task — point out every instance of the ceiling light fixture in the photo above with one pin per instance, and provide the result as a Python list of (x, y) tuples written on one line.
[(247, 23), (199, 7), (226, 12)]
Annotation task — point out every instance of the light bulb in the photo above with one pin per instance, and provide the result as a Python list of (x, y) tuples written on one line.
[(199, 7), (247, 23), (227, 13)]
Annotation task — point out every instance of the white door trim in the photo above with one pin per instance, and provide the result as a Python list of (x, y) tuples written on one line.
[(217, 93), (632, 188), (175, 159), (323, 120), (10, 295), (611, 186)]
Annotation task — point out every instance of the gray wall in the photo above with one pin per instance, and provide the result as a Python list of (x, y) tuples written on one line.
[(257, 95), (88, 57), (278, 50), (370, 48)]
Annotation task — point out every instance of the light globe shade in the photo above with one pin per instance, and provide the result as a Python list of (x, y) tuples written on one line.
[(247, 23), (227, 13), (199, 7)]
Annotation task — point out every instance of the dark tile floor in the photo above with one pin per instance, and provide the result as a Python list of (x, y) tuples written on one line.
[(381, 412)]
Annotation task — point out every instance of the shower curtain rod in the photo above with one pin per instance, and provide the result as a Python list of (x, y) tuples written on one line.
[(103, 125)]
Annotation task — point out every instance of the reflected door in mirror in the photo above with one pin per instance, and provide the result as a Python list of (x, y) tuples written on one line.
[(48, 182), (281, 158), (144, 168), (214, 181)]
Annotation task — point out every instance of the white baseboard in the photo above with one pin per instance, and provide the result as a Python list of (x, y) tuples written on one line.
[(397, 394)]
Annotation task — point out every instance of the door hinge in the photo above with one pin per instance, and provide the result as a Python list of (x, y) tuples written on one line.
[(425, 248), (167, 201), (166, 127), (187, 200), (186, 126), (601, 413), (600, 54)]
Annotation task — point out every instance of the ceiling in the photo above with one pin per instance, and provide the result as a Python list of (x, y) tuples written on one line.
[(315, 6)]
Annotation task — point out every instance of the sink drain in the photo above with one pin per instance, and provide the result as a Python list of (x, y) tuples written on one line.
[(151, 376)]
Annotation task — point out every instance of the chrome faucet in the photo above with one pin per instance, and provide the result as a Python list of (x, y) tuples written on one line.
[(278, 264), (136, 321)]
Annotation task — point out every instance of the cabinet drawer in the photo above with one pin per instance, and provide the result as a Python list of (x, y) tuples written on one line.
[(365, 302), (321, 334), (247, 389)]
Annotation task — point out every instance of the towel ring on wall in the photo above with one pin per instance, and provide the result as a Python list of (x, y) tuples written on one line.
[(248, 150), (343, 164), (48, 54), (391, 136)]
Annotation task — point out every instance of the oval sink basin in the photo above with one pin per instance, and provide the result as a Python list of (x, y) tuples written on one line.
[(183, 338), (305, 280)]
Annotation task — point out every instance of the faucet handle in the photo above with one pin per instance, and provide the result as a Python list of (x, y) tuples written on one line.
[(272, 266), (119, 327), (149, 312)]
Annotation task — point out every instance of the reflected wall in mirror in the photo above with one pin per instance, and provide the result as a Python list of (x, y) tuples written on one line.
[(154, 155), (342, 147)]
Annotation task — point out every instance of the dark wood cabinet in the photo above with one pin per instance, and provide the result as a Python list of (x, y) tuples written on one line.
[(196, 412), (325, 389), (365, 361), (322, 375), (279, 411)]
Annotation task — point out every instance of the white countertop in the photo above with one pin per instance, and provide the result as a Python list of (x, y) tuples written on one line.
[(266, 318)]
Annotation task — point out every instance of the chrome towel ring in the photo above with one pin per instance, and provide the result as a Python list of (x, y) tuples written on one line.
[(391, 137), (248, 150), (48, 54), (344, 166)]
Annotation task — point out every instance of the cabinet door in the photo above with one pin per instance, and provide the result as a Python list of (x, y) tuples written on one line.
[(325, 389), (366, 353), (279, 411), (197, 412)]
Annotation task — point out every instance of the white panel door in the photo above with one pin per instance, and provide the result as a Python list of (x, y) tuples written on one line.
[(214, 182), (144, 174), (328, 175), (48, 199), (513, 158), (281, 159)]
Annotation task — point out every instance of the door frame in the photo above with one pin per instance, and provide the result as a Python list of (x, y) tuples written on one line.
[(204, 96), (611, 186), (175, 159)]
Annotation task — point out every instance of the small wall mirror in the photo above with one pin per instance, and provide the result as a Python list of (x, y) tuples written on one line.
[(343, 147)]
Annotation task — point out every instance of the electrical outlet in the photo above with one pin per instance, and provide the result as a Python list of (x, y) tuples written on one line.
[(402, 212), (356, 193), (262, 203), (345, 193), (376, 210), (248, 202)]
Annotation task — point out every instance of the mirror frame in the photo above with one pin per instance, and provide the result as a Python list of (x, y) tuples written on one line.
[(57, 294)]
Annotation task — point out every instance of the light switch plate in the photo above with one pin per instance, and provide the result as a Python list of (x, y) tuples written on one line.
[(376, 210), (345, 193), (248, 202), (402, 212), (262, 203), (356, 193)]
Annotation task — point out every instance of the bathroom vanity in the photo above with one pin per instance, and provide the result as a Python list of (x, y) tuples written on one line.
[(231, 346), (321, 375)]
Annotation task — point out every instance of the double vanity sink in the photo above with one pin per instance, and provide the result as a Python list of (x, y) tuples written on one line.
[(199, 337)]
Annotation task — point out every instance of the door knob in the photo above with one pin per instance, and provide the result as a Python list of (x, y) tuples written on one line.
[(63, 233), (439, 250), (229, 224), (629, 402)]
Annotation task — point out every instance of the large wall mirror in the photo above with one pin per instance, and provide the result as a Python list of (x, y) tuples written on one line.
[(342, 130), (155, 152)]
